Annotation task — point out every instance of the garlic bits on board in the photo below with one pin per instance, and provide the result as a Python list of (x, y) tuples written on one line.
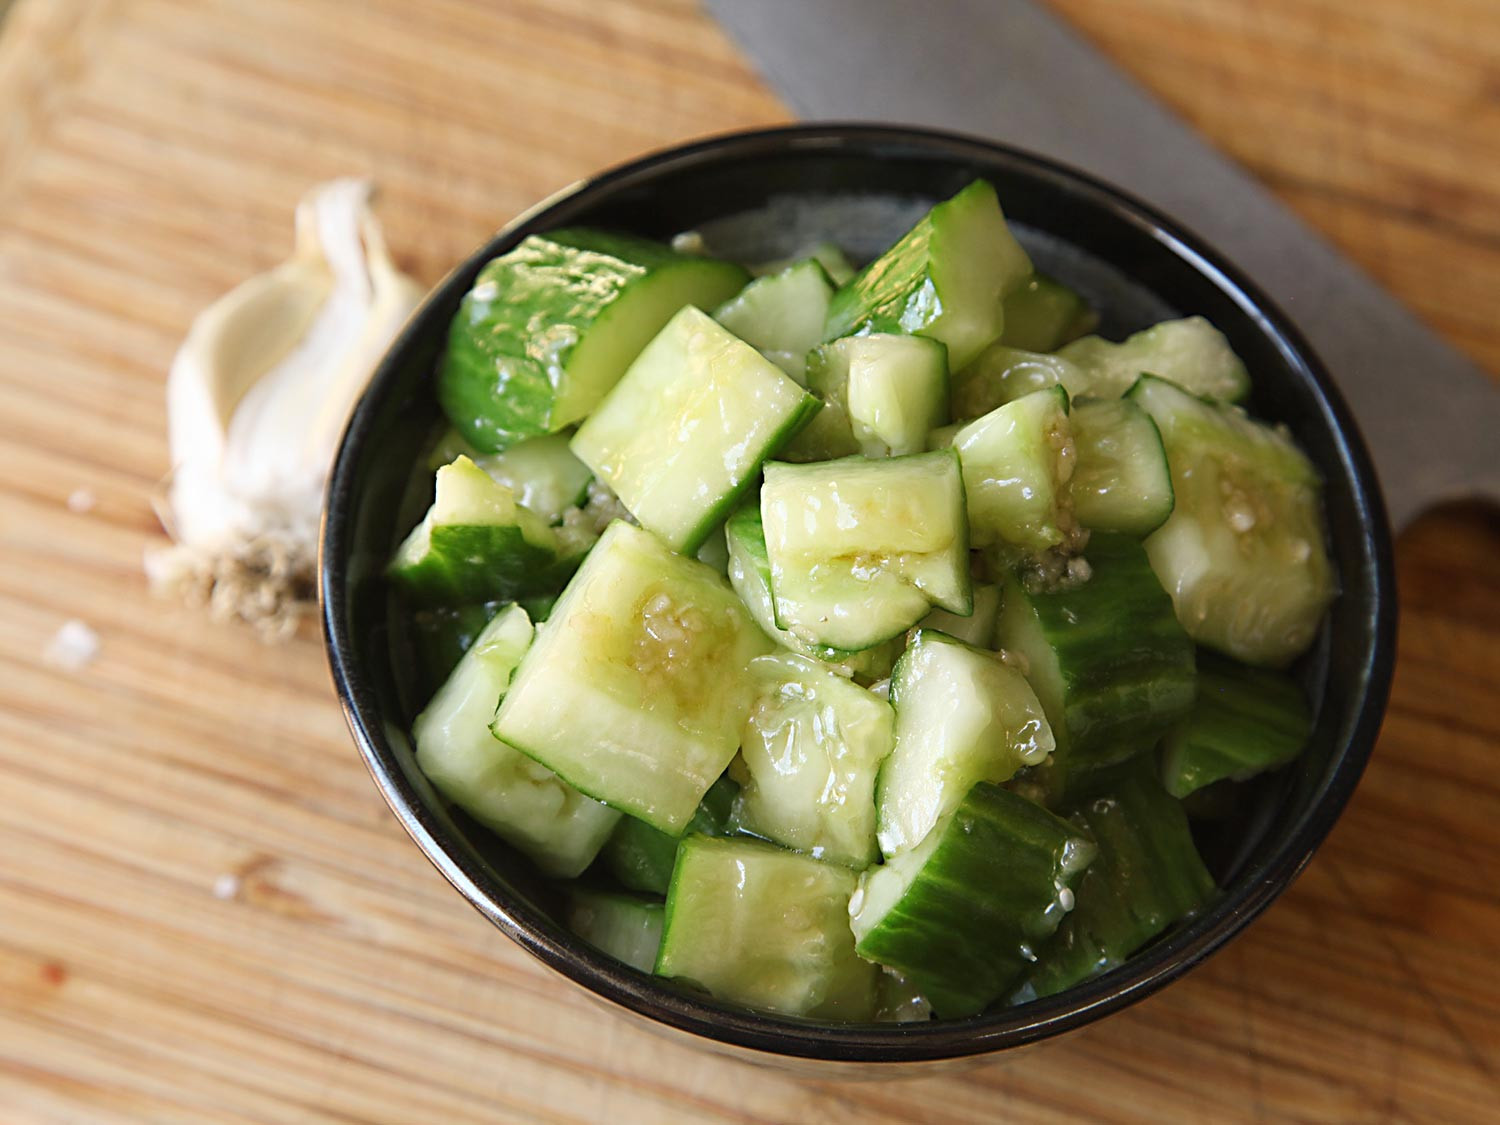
[(257, 398)]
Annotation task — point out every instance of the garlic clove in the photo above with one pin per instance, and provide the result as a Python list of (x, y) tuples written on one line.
[(257, 399)]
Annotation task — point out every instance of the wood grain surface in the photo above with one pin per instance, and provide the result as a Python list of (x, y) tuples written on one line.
[(207, 913)]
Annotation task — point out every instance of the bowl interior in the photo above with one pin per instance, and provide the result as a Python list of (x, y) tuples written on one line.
[(759, 196)]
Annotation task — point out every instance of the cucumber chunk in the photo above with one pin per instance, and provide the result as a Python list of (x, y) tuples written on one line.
[(860, 550), (641, 857), (1044, 314), (782, 315), (624, 926), (476, 544), (1191, 353), (827, 254), (543, 473), (1146, 876), (1003, 373), (768, 928), (962, 716), (978, 628), (962, 914), (684, 432), (550, 326), (649, 650), (1110, 664), (1017, 461), (442, 635), (1243, 552), (523, 802), (1244, 721), (1121, 481), (946, 278), (881, 395), (750, 575), (808, 759)]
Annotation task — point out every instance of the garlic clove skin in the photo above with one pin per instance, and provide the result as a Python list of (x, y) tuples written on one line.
[(257, 399)]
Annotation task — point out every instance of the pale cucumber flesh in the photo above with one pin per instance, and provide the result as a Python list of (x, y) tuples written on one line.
[(684, 432)]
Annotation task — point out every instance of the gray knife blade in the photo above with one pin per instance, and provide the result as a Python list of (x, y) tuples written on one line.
[(1013, 71)]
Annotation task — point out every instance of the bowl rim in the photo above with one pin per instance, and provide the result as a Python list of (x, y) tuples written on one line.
[(661, 1002)]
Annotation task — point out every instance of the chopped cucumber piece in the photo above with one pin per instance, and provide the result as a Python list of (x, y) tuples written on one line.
[(946, 278), (1191, 353), (1243, 552), (1110, 664), (782, 315), (1121, 481), (827, 254), (476, 544), (962, 914), (685, 430), (1003, 374), (768, 928), (649, 650), (624, 926), (978, 628), (1146, 876), (750, 575), (543, 473), (442, 635), (641, 857), (962, 716), (550, 326), (860, 549), (808, 759), (524, 803), (1044, 314), (882, 393), (1244, 721), (1017, 461)]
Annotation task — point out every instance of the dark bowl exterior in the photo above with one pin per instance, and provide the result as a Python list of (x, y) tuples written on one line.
[(369, 507)]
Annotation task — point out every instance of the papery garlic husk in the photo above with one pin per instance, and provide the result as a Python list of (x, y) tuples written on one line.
[(257, 399)]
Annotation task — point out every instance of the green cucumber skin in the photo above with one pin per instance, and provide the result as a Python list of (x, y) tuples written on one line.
[(507, 359), (986, 895), (799, 962), (626, 927), (482, 563), (1244, 721), (641, 857), (1044, 314), (901, 292), (1146, 877), (1127, 667), (442, 636)]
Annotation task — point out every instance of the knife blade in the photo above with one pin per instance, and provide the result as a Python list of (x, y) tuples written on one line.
[(1013, 71)]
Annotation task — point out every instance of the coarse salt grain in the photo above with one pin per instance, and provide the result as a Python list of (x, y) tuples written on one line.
[(72, 647)]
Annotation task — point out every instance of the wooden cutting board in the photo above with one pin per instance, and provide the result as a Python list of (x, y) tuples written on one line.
[(207, 913)]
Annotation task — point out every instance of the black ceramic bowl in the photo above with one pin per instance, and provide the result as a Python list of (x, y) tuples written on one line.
[(758, 195)]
